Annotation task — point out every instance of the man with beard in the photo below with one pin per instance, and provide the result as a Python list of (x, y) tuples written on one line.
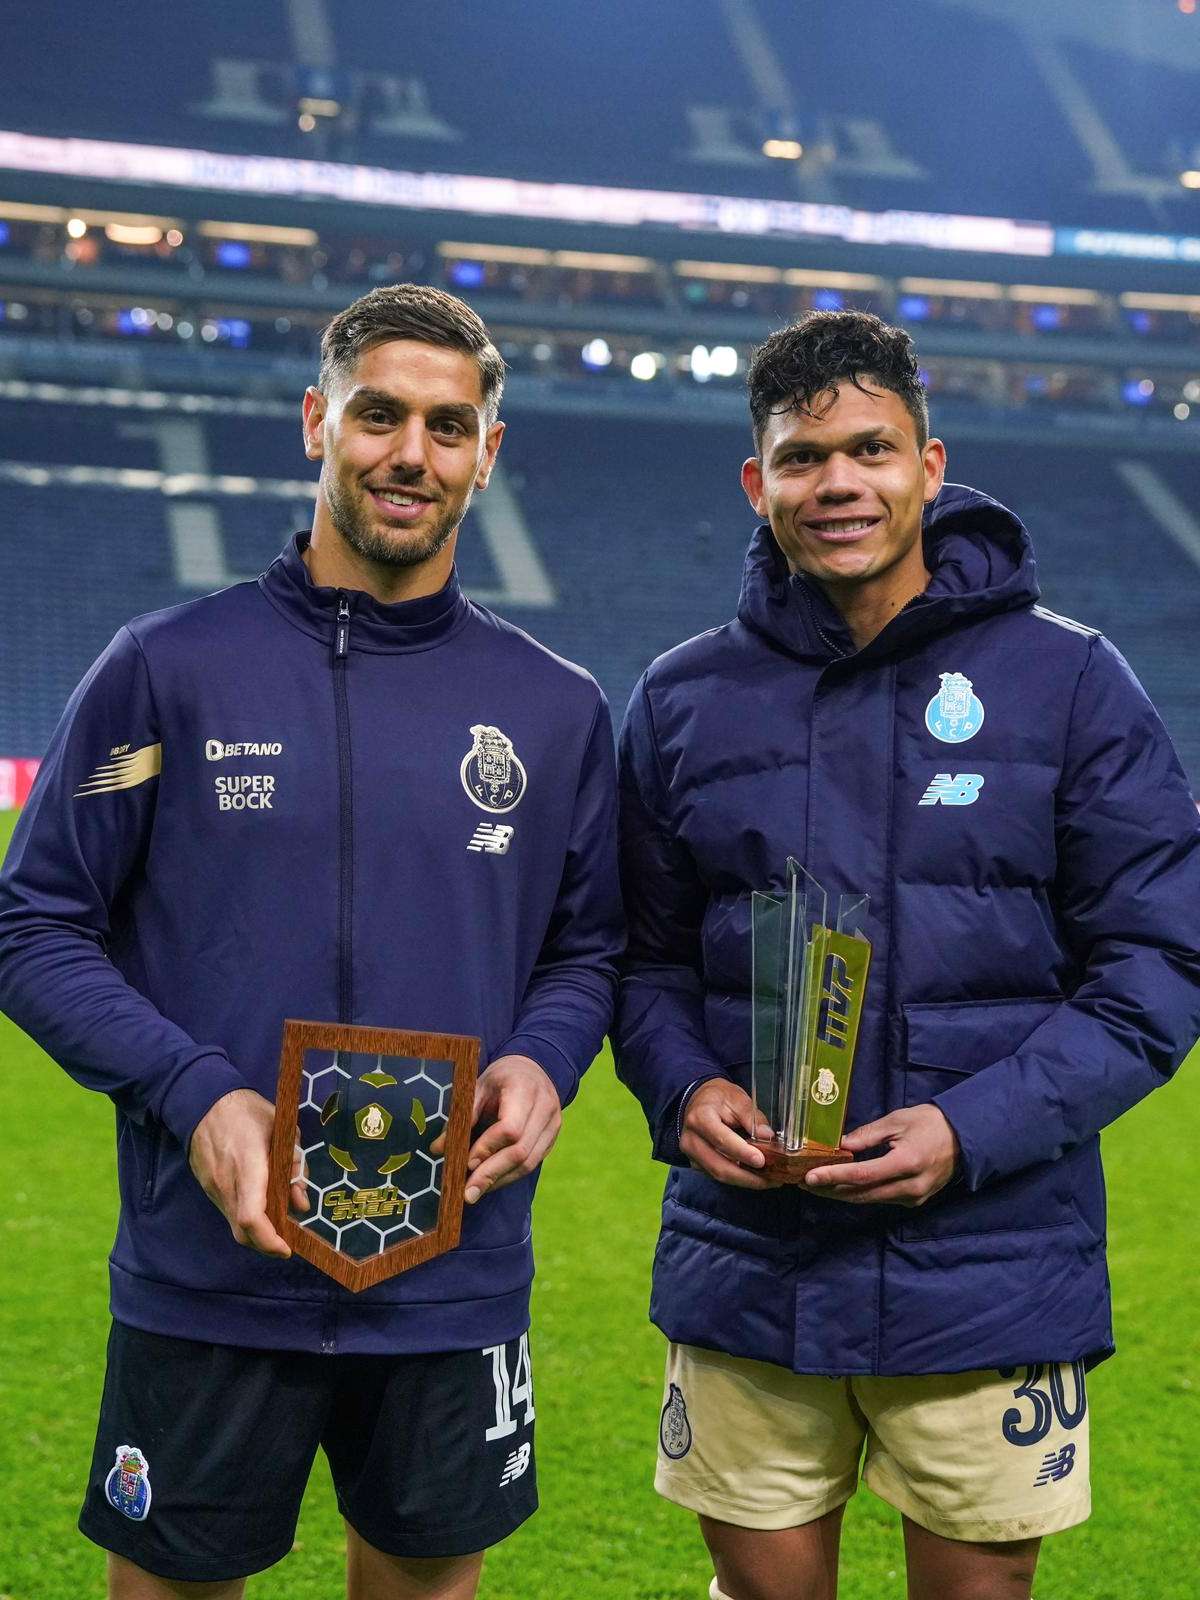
[(428, 841), (893, 708)]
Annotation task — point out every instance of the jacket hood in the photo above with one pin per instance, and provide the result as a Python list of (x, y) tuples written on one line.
[(375, 627), (980, 561)]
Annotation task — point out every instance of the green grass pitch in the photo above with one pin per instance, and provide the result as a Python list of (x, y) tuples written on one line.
[(601, 1532)]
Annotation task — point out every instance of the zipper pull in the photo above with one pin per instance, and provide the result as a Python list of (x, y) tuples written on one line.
[(341, 637)]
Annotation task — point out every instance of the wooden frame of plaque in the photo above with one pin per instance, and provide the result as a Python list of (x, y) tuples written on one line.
[(457, 1049)]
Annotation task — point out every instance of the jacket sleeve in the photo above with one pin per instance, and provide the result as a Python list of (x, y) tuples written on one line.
[(80, 840), (662, 1048), (1128, 903), (567, 1006)]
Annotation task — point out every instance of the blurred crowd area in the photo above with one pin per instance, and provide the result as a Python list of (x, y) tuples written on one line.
[(120, 501), (943, 105), (633, 198), (80, 276)]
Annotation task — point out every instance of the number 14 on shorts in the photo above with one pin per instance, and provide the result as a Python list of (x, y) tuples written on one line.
[(513, 1390)]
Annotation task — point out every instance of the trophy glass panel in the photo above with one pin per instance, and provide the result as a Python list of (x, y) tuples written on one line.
[(852, 913), (805, 961), (767, 930), (779, 983), (364, 1127)]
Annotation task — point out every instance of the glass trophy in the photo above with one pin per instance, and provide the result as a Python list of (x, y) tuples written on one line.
[(809, 978), (356, 1111)]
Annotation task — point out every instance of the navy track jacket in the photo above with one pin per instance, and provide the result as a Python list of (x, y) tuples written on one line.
[(1030, 849), (154, 933)]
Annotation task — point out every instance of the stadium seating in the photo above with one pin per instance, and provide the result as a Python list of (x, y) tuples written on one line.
[(957, 104), (640, 527), (163, 76), (1149, 106), (677, 95)]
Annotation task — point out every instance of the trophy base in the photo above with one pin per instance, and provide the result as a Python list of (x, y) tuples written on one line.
[(793, 1166)]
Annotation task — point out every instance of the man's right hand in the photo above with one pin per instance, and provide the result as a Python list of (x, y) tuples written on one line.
[(228, 1154), (716, 1116)]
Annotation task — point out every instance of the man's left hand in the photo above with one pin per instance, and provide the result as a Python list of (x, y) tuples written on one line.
[(520, 1106), (922, 1157)]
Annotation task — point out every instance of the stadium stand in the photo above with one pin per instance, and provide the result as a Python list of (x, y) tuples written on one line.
[(154, 340), (640, 530), (681, 95), (950, 109), (1150, 107), (162, 79)]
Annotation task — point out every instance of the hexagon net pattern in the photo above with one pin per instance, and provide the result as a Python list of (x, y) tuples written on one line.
[(359, 1211)]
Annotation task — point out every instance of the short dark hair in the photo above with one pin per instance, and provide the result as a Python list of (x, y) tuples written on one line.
[(824, 348), (411, 311)]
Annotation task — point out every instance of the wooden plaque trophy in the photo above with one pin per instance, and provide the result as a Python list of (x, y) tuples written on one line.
[(809, 979), (356, 1111)]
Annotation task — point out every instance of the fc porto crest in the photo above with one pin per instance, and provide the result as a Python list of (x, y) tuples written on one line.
[(491, 770), (365, 1134), (825, 1087), (127, 1487), (955, 714), (674, 1429)]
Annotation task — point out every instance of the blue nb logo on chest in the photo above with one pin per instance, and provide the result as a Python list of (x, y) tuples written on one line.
[(953, 789)]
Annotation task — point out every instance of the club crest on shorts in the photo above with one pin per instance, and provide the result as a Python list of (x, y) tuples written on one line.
[(127, 1487), (491, 770), (955, 714), (674, 1429)]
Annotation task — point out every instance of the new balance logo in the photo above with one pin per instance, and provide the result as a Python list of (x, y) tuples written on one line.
[(960, 790), (1056, 1464), (516, 1465), (494, 837)]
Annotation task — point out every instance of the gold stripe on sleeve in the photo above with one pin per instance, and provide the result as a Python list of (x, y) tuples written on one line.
[(126, 772)]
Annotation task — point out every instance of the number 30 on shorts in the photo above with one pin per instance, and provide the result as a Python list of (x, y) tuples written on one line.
[(1015, 1426), (512, 1390)]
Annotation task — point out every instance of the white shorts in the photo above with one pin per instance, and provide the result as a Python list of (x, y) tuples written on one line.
[(981, 1456)]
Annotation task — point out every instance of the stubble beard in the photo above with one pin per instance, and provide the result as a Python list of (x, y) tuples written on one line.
[(352, 521)]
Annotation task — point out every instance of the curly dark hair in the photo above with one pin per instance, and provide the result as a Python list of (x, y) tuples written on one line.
[(411, 311), (824, 348)]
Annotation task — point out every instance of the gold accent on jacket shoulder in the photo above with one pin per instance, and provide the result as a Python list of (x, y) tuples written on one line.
[(126, 772)]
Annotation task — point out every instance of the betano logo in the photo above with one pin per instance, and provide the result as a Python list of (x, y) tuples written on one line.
[(215, 750)]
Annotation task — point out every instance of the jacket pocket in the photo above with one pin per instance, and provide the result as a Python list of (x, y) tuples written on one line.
[(944, 1044), (139, 1152)]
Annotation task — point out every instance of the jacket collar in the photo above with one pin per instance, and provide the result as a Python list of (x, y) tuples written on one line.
[(979, 558), (374, 627)]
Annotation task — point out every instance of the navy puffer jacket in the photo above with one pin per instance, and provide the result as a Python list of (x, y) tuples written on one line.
[(1035, 915)]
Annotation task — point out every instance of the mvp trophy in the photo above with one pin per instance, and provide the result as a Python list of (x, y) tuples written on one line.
[(809, 979), (356, 1112)]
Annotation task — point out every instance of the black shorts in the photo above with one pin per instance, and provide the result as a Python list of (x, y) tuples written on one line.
[(203, 1451)]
